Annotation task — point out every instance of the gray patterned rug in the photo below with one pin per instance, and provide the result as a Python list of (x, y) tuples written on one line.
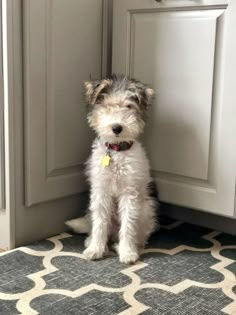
[(185, 269)]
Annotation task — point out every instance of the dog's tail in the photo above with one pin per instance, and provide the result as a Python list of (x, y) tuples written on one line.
[(80, 225)]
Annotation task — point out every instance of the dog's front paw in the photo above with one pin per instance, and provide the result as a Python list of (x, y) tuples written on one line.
[(128, 255), (92, 253)]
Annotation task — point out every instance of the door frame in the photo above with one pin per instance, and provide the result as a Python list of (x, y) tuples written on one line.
[(2, 159), (7, 221)]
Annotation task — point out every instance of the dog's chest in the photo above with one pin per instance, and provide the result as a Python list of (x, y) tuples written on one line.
[(114, 175), (119, 165), (125, 169), (118, 172)]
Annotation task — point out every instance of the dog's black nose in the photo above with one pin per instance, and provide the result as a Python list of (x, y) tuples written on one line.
[(116, 128)]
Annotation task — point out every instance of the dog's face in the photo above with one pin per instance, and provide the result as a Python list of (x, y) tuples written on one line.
[(117, 108)]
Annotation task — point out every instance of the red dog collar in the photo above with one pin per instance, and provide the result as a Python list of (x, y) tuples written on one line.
[(122, 146)]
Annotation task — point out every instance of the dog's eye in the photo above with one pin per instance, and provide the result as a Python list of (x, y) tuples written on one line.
[(129, 106)]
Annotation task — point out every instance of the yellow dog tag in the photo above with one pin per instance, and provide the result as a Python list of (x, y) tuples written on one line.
[(106, 160)]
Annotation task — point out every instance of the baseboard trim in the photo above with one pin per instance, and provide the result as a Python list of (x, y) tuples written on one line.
[(198, 217), (216, 222)]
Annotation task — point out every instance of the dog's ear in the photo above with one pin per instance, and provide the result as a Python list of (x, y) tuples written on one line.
[(143, 94), (96, 90)]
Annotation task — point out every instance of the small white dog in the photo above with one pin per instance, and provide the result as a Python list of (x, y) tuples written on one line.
[(123, 202)]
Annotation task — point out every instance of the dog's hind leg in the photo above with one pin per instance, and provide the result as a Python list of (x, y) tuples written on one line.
[(87, 241), (148, 222), (80, 225)]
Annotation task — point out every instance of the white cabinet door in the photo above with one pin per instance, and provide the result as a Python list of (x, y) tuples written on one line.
[(179, 47), (62, 48)]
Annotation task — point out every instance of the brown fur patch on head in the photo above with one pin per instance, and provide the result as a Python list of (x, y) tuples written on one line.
[(95, 90), (143, 94), (119, 86)]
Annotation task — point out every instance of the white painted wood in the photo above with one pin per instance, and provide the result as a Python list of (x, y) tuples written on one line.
[(7, 215), (20, 224), (128, 7), (2, 155), (180, 48), (63, 47), (182, 74), (107, 37)]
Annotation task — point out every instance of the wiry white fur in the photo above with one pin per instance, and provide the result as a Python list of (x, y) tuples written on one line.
[(120, 206), (119, 189), (81, 225)]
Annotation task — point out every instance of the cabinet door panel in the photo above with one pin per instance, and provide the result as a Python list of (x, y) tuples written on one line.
[(179, 63), (62, 48), (178, 48)]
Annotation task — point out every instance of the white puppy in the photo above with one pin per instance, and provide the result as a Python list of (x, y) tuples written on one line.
[(123, 200)]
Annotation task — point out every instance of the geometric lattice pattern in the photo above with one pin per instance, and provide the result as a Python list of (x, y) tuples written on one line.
[(185, 269)]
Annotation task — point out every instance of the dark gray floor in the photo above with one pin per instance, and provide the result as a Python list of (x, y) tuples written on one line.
[(185, 269)]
